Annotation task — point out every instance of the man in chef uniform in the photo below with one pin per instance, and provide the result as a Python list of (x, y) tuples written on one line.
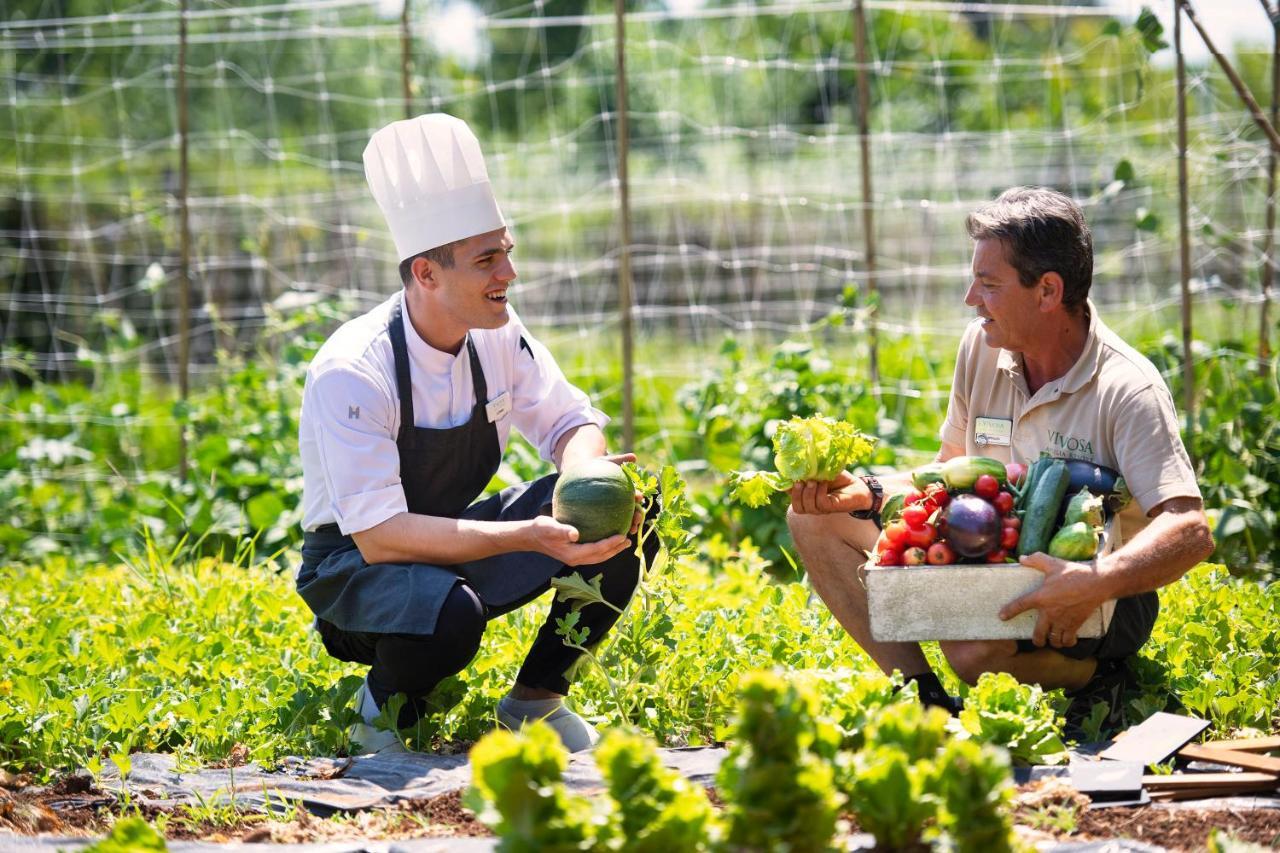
[(405, 416)]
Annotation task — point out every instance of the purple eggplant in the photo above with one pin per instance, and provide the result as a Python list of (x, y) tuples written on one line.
[(972, 525)]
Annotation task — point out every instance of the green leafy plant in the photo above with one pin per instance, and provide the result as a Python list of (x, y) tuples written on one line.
[(778, 779), (891, 781), (891, 795), (1001, 711), (517, 791), (656, 810), (813, 448), (976, 789), (129, 835)]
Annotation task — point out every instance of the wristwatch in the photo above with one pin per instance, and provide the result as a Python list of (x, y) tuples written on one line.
[(877, 498)]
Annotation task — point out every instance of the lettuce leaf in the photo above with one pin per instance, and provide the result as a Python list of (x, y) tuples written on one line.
[(815, 448)]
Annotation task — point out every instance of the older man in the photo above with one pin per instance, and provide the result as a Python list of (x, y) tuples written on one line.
[(1037, 372)]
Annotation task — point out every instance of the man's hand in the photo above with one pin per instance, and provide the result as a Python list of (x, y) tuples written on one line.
[(1068, 596), (560, 541), (845, 493), (620, 458)]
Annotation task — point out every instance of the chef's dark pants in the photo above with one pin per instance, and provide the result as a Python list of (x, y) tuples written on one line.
[(414, 664)]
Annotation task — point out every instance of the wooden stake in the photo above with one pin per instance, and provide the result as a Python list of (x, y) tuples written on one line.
[(406, 60), (1237, 83), (1184, 231), (624, 210), (1268, 261), (868, 197), (184, 242)]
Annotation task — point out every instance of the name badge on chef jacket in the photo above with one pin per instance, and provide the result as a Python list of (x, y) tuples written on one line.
[(993, 431), (499, 407)]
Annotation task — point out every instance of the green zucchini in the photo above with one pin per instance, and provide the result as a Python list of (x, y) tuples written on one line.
[(1042, 508), (1034, 471)]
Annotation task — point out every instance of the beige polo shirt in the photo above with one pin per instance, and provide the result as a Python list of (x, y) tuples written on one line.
[(1111, 408)]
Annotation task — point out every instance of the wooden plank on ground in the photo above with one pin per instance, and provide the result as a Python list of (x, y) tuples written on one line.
[(1235, 757), (1155, 738), (1211, 781), (1192, 794), (1255, 744)]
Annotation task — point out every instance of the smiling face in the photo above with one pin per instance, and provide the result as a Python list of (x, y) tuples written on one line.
[(1012, 311), (472, 294)]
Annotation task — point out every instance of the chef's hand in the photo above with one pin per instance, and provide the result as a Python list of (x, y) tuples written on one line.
[(845, 493), (1068, 596), (620, 458), (560, 541)]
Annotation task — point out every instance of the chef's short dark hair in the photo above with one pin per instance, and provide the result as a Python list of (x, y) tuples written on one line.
[(442, 255), (1042, 231)]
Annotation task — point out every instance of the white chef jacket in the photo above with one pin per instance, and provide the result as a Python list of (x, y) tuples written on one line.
[(351, 411)]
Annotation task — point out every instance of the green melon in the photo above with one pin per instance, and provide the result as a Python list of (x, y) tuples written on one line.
[(596, 497)]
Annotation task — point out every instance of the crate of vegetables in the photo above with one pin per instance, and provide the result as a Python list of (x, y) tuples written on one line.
[(946, 561)]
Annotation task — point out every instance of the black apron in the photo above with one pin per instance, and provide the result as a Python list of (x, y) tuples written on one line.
[(442, 471)]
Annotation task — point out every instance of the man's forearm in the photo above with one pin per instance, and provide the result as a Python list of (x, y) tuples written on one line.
[(1160, 554), (578, 445), (411, 538)]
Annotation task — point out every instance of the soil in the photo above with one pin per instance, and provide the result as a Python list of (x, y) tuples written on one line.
[(74, 807)]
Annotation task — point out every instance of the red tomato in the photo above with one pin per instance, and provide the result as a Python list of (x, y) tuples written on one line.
[(1015, 471), (1008, 538), (1003, 503), (913, 557), (891, 557), (896, 533), (938, 496), (997, 556), (923, 536), (1013, 521), (915, 515), (940, 554), (986, 487), (913, 497)]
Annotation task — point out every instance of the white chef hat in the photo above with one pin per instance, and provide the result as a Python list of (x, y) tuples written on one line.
[(428, 176)]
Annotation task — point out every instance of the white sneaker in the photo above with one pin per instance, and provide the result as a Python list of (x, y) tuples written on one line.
[(575, 733), (372, 740)]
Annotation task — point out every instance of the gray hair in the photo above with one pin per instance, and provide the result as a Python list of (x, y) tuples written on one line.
[(1042, 231)]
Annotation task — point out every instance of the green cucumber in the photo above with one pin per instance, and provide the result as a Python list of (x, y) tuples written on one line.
[(1042, 508), (961, 472), (926, 474)]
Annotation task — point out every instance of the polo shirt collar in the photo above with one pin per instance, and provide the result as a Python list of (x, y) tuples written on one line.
[(421, 353), (1080, 374), (1086, 366)]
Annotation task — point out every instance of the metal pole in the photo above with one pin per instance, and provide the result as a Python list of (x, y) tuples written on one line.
[(1268, 261), (1184, 231), (184, 242), (1241, 89), (624, 204), (406, 59), (868, 205)]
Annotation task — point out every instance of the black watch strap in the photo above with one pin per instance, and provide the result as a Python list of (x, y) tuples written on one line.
[(877, 500)]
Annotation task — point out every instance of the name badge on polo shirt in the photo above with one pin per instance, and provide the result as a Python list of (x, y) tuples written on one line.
[(499, 407), (993, 431)]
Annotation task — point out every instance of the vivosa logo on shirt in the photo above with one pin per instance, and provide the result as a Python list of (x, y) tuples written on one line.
[(1072, 446)]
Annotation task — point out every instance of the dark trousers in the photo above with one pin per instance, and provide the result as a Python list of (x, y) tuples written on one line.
[(414, 664)]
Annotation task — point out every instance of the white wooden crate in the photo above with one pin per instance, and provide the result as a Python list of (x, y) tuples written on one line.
[(961, 601)]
